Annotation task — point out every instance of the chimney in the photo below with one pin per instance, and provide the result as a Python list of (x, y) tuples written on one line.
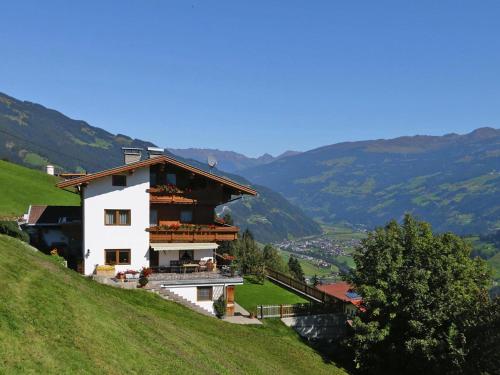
[(50, 169), (131, 154), (154, 152)]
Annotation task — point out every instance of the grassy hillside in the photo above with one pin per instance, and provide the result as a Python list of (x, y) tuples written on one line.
[(309, 267), (53, 320), (451, 181), (21, 187)]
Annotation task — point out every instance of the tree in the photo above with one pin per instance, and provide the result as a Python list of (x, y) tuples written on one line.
[(273, 260), (227, 247), (315, 281), (295, 268), (248, 254), (483, 340), (422, 293)]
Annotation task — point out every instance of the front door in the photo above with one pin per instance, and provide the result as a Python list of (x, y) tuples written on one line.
[(230, 300), (154, 258)]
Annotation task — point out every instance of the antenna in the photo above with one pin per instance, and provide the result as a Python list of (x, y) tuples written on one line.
[(212, 162)]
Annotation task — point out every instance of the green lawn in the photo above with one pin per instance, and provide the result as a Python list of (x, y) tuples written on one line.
[(252, 294), (54, 321), (23, 186)]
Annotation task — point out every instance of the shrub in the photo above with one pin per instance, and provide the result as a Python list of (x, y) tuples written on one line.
[(146, 272), (220, 306), (143, 281), (10, 228)]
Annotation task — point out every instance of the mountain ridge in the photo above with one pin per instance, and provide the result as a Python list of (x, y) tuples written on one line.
[(452, 180), (229, 161), (34, 136)]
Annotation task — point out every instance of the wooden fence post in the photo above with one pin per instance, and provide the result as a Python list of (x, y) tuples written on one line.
[(281, 311), (261, 312)]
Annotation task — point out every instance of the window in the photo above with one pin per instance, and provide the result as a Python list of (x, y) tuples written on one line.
[(171, 178), (117, 217), (153, 217), (119, 180), (117, 256), (186, 216), (153, 179), (186, 255), (204, 293)]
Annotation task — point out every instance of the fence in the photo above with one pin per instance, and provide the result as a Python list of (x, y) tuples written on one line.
[(284, 311), (301, 286)]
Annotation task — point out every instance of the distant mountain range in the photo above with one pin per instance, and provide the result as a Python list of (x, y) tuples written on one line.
[(452, 181), (35, 136), (228, 161)]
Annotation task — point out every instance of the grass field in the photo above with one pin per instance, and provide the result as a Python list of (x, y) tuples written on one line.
[(54, 321), (252, 294), (341, 232), (309, 268), (22, 186)]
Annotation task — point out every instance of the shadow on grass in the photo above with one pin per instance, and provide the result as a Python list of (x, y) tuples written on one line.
[(332, 351)]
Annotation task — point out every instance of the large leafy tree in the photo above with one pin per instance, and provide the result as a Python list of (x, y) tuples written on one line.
[(422, 293), (273, 260)]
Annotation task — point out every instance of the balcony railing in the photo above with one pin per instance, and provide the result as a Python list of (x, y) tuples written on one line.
[(192, 233), (173, 196)]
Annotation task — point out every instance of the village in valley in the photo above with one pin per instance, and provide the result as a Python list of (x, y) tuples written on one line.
[(329, 254)]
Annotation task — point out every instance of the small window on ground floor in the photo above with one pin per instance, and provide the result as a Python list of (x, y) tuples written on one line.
[(204, 293), (117, 256)]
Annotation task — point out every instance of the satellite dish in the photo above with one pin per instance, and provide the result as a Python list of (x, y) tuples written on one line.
[(212, 161)]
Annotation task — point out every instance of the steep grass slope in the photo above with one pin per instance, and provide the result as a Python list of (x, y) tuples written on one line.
[(53, 320), (20, 187)]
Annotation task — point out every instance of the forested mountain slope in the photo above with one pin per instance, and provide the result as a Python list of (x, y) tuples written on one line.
[(34, 136), (453, 181)]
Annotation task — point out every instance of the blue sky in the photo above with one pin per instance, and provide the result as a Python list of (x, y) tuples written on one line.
[(257, 76)]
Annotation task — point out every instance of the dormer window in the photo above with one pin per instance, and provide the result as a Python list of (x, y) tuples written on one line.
[(119, 180)]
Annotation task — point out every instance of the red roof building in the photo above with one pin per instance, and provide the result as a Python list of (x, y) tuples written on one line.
[(344, 292)]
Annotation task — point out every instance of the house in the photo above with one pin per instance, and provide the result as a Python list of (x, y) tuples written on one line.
[(342, 291), (159, 213), (55, 227)]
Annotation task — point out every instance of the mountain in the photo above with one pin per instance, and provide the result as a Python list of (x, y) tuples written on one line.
[(35, 136), (452, 181), (228, 161)]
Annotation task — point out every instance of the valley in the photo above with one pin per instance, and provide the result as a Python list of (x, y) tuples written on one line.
[(327, 255)]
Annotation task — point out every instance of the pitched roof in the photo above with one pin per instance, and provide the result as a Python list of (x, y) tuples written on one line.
[(53, 215), (342, 291), (157, 160)]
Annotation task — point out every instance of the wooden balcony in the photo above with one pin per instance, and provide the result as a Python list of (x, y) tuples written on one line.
[(161, 197), (194, 233)]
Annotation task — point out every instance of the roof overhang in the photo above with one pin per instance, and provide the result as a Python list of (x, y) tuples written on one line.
[(163, 159), (184, 246)]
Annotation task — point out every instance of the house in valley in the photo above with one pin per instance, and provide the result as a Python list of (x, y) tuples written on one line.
[(159, 213)]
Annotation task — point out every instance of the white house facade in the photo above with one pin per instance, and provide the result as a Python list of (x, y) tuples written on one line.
[(159, 214)]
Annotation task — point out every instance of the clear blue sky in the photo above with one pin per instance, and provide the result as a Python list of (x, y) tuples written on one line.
[(257, 76)]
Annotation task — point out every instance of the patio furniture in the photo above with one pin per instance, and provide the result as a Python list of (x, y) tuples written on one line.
[(191, 266)]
